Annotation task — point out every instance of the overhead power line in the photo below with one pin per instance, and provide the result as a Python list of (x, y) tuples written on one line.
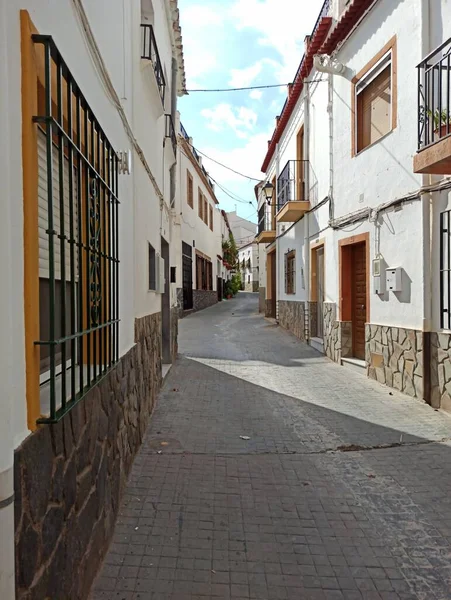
[(225, 166), (239, 89)]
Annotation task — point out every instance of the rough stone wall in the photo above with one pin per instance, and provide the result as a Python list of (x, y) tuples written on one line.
[(313, 319), (175, 312), (262, 300), (292, 317), (332, 334), (69, 476), (203, 299), (441, 370), (337, 334), (395, 357), (180, 301), (268, 310)]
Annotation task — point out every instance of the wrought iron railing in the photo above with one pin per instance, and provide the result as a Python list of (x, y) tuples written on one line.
[(434, 91), (79, 316), (150, 52), (184, 132), (264, 218), (291, 182), (170, 132)]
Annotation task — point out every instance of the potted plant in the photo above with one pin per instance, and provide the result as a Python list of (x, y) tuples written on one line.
[(441, 122)]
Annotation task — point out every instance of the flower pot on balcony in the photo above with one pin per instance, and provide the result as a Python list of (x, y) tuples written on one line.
[(442, 131)]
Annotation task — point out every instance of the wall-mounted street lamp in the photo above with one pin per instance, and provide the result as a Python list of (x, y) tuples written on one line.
[(268, 190)]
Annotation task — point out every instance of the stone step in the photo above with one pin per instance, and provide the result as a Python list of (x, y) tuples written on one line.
[(355, 364), (317, 343)]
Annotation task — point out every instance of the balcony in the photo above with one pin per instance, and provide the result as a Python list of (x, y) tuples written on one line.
[(291, 202), (434, 113), (170, 132), (149, 52), (266, 230)]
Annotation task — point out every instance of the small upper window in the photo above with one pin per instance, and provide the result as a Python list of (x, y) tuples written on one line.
[(189, 192), (374, 103), (200, 204), (152, 268)]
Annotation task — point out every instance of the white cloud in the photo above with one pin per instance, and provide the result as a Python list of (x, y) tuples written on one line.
[(244, 77), (256, 94), (282, 25), (223, 116), (246, 159)]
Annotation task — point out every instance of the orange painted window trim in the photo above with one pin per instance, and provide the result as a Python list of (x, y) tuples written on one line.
[(391, 45)]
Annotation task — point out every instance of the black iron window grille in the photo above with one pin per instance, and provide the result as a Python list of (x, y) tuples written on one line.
[(150, 52), (79, 251), (445, 270), (290, 272), (434, 90), (291, 182), (170, 132)]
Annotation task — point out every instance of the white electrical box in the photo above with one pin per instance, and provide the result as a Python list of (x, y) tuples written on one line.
[(160, 278), (379, 276), (393, 278)]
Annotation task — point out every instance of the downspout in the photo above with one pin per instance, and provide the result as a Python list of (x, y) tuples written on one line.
[(330, 109), (427, 217), (306, 153), (277, 232)]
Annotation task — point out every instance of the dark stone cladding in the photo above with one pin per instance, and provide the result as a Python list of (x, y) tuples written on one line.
[(269, 309), (262, 300), (292, 317), (204, 298), (69, 477)]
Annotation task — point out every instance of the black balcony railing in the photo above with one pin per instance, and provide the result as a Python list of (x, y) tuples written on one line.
[(170, 132), (264, 218), (434, 87), (291, 183), (150, 52)]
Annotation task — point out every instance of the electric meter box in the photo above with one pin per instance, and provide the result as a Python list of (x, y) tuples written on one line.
[(379, 276), (393, 278)]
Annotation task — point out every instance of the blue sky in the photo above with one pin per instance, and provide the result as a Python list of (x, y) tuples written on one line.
[(237, 43)]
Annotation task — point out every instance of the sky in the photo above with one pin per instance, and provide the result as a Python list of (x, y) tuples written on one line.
[(239, 43)]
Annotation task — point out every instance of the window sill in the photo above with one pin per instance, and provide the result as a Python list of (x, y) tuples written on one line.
[(360, 152)]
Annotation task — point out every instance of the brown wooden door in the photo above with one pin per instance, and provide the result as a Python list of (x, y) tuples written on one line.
[(358, 299), (273, 286)]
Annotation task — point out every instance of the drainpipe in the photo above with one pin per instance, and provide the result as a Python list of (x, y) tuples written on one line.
[(330, 109), (427, 217), (306, 152), (7, 582), (277, 232)]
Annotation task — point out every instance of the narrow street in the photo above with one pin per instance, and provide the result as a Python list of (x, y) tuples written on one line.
[(342, 491)]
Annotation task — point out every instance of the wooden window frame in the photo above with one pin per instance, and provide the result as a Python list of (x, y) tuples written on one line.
[(211, 217), (206, 204), (391, 47), (189, 189), (200, 204), (290, 274)]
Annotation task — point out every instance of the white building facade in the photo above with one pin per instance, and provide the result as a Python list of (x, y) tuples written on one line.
[(358, 237), (249, 265), (200, 280), (90, 314)]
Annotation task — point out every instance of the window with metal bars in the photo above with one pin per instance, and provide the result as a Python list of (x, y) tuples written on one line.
[(290, 272), (445, 270), (78, 239)]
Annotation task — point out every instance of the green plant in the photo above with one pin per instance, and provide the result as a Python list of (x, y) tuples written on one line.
[(228, 289), (440, 118), (236, 284)]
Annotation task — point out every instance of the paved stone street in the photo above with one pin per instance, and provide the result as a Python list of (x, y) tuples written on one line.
[(343, 490)]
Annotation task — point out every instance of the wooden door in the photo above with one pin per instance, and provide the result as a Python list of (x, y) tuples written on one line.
[(299, 175), (320, 291), (273, 286), (358, 299)]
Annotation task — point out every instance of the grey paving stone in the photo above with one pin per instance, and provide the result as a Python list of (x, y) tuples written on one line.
[(286, 514)]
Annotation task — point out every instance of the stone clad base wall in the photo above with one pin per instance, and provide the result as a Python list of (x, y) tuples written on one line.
[(204, 298), (441, 370), (337, 334), (394, 356), (251, 287), (262, 300), (292, 317), (69, 477)]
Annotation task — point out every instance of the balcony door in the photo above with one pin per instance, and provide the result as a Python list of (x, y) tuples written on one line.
[(300, 164)]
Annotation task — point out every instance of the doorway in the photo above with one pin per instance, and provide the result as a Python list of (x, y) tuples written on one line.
[(320, 292), (272, 258), (354, 287), (187, 276), (166, 307), (358, 299)]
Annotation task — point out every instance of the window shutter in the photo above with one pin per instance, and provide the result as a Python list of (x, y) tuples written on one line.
[(43, 212), (374, 109)]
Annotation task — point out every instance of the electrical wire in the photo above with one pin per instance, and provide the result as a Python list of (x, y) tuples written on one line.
[(225, 166), (238, 89)]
